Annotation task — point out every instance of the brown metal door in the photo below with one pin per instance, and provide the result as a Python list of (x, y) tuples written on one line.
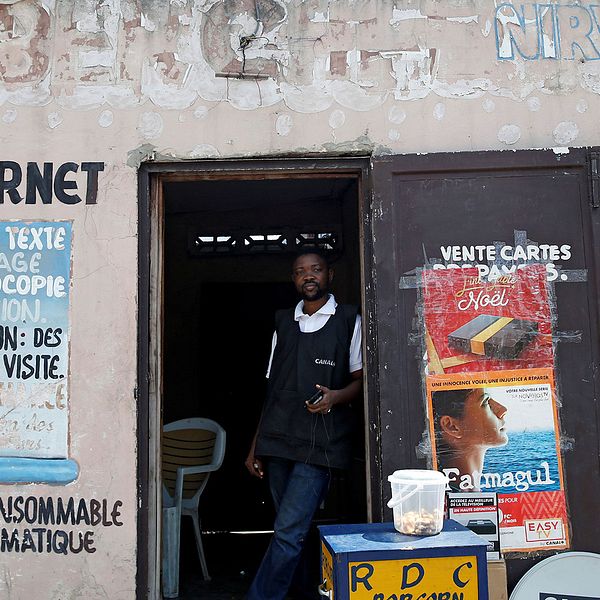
[(421, 203)]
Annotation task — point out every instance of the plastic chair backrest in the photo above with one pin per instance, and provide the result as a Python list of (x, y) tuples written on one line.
[(194, 442)]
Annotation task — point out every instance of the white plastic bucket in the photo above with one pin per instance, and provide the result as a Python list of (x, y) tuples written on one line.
[(418, 501)]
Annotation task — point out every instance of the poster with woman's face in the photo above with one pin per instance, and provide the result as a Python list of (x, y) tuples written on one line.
[(497, 432), (491, 397), (499, 438)]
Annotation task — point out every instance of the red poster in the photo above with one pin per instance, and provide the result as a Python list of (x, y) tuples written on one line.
[(473, 324), (491, 398)]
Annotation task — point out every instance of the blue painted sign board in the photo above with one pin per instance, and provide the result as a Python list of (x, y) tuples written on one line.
[(35, 285)]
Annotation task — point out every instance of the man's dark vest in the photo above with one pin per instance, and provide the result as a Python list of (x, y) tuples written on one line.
[(300, 361)]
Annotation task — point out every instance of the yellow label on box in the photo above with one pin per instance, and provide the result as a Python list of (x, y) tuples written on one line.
[(442, 578), (326, 571)]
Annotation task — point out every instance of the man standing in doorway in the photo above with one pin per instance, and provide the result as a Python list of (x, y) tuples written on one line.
[(305, 430)]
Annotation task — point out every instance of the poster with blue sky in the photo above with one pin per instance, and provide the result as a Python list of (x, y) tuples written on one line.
[(498, 431), (35, 281)]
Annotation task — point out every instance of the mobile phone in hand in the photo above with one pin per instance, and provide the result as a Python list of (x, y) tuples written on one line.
[(315, 398)]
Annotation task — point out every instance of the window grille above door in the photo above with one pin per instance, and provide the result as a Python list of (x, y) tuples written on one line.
[(229, 243)]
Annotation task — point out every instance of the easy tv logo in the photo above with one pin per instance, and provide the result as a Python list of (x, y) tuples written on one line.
[(544, 596), (543, 530)]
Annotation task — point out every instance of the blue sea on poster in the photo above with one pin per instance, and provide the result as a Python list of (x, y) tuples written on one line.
[(525, 451)]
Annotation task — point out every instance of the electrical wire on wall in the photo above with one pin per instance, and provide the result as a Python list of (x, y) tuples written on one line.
[(245, 42)]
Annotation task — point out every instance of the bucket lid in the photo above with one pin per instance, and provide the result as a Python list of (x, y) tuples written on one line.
[(417, 475)]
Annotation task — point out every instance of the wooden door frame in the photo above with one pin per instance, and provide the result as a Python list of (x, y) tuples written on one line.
[(151, 177)]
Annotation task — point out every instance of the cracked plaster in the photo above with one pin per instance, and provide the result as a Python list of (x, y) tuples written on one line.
[(320, 56)]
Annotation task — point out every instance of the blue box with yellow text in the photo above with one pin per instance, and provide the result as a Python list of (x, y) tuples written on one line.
[(372, 561)]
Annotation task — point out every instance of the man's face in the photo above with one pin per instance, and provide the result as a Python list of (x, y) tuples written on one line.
[(311, 276)]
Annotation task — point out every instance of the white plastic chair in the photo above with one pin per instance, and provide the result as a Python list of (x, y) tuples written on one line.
[(191, 450)]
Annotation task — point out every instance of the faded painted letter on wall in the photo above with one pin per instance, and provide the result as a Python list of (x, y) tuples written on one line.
[(35, 277)]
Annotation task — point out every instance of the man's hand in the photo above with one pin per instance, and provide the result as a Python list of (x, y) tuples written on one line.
[(324, 405), (332, 397), (254, 465)]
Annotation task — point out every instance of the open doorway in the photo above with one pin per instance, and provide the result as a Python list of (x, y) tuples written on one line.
[(227, 246)]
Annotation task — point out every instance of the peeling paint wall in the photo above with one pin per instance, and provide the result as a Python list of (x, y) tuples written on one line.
[(118, 81), (418, 76)]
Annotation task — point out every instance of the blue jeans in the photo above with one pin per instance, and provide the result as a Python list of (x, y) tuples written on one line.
[(297, 490)]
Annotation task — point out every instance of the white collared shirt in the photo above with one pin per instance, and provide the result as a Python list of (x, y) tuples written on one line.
[(316, 321)]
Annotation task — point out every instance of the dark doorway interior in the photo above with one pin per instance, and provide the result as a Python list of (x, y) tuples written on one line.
[(227, 265)]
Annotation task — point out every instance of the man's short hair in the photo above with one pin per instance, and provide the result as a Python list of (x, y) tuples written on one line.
[(313, 250)]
